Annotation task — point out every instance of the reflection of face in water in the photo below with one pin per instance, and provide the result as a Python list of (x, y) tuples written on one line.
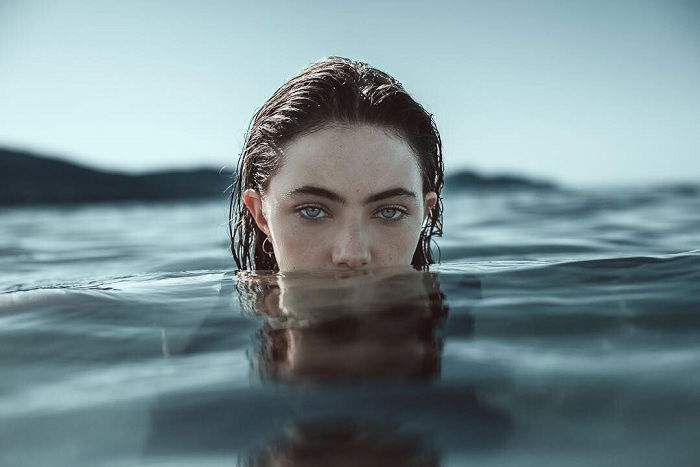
[(362, 326), (382, 326), (370, 326)]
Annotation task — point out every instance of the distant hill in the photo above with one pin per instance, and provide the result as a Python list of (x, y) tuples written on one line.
[(468, 180), (27, 179)]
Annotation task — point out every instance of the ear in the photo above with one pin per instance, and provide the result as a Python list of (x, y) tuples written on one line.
[(253, 201), (430, 199)]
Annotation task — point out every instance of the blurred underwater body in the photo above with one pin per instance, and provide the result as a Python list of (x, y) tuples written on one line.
[(562, 328)]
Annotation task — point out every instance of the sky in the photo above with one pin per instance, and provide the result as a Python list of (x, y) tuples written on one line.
[(578, 92)]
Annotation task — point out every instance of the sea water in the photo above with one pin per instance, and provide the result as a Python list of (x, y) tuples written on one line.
[(562, 327)]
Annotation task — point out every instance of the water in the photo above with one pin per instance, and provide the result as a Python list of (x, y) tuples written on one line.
[(562, 328)]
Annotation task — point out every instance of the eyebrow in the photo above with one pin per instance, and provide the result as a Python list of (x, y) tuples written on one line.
[(333, 196)]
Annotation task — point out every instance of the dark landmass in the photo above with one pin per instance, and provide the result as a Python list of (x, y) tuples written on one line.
[(469, 180), (28, 179)]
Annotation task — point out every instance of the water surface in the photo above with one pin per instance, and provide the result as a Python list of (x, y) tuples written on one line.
[(562, 328)]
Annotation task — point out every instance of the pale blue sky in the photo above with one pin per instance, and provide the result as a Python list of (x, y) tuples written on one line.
[(582, 92)]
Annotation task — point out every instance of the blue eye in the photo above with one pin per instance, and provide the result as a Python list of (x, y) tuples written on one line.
[(391, 214), (312, 212)]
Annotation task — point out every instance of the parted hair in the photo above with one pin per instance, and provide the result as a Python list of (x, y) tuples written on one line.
[(333, 91)]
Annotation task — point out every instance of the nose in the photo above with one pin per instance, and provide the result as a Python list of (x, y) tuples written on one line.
[(352, 249)]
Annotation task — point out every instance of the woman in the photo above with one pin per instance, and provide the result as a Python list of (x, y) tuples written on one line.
[(341, 170)]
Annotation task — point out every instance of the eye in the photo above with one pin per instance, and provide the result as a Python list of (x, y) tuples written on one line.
[(391, 214), (312, 212)]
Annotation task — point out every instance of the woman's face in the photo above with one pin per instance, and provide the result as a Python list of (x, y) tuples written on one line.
[(346, 197)]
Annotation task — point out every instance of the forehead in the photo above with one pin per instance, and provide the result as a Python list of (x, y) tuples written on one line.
[(351, 160)]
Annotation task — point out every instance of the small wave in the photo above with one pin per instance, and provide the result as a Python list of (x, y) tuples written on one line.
[(519, 357), (118, 383)]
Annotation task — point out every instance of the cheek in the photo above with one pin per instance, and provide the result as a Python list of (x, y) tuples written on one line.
[(395, 246), (298, 245)]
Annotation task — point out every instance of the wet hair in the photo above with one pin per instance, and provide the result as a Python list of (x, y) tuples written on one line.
[(331, 92)]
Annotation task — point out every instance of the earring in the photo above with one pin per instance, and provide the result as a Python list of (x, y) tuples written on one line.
[(268, 253)]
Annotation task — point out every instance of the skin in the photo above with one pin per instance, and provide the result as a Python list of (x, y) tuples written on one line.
[(345, 198)]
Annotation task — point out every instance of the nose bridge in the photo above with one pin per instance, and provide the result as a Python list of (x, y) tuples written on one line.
[(352, 245)]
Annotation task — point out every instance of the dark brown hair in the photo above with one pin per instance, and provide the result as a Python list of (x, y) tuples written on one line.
[(333, 91)]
